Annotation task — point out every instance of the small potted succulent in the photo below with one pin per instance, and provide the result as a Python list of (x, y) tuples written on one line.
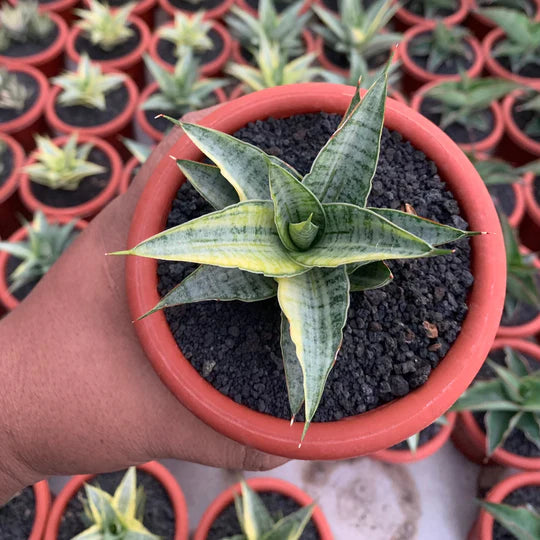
[(11, 160), (64, 8), (263, 508), (112, 37), (499, 414), (252, 6), (29, 254), (92, 102), (415, 12), (144, 9), (30, 37), (531, 224), (139, 154), (175, 94), (74, 175), (213, 9), (145, 503), (209, 40), (466, 109), (23, 91), (25, 514)]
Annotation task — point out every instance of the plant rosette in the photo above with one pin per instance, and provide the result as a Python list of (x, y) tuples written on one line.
[(64, 8), (157, 471), (144, 9), (142, 117), (98, 197), (262, 485), (49, 60), (483, 526), (531, 223), (378, 428), (211, 62), (129, 62), (406, 18), (252, 6), (469, 438), (488, 143), (214, 9)]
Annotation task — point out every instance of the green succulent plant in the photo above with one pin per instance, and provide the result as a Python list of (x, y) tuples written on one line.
[(310, 241), (104, 26), (430, 9), (511, 400), (523, 6), (283, 28), (522, 521), (13, 94), (22, 23), (496, 171), (414, 440), (531, 102), (188, 32), (61, 167), (87, 86), (138, 150), (119, 516), (44, 244), (360, 75)]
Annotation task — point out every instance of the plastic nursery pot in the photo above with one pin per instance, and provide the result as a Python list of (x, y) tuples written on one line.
[(144, 9), (530, 229), (470, 439), (245, 5), (483, 527), (6, 298), (159, 472), (261, 485), (423, 451), (214, 13), (404, 18), (127, 174), (485, 145), (207, 69), (130, 63), (49, 61), (88, 209), (140, 116), (376, 429), (42, 497)]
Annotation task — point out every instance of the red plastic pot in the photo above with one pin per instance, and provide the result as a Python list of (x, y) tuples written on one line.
[(530, 230), (423, 451), (404, 18), (159, 472), (211, 68), (131, 63), (246, 7), (215, 13), (144, 9), (6, 298), (483, 527), (88, 209), (127, 174), (261, 485), (469, 438), (64, 8), (379, 428), (154, 134), (486, 145), (42, 503), (50, 61)]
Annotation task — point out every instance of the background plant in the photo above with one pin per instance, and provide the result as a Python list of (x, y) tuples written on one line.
[(13, 94), (414, 440), (188, 32), (496, 171), (431, 9), (531, 102), (138, 150), (518, 5), (523, 522)]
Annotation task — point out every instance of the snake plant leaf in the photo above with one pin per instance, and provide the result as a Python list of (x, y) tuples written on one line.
[(530, 392), (343, 169), (100, 505), (515, 24), (529, 425), (241, 236), (485, 396), (315, 304), (356, 234), (523, 523), (16, 249), (209, 183), (252, 514), (370, 276), (293, 370), (303, 234), (516, 362), (137, 531), (499, 425), (294, 204), (413, 442), (292, 526), (236, 537), (429, 231), (92, 533), (125, 495), (511, 382), (215, 283)]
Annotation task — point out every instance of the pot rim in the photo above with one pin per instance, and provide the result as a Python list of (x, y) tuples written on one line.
[(519, 138), (42, 497), (215, 13), (141, 6), (411, 19), (533, 208), (473, 12), (125, 180), (12, 183), (385, 425)]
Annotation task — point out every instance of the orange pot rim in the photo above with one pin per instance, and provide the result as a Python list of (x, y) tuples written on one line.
[(42, 496), (127, 173), (215, 13), (411, 19), (12, 183), (533, 208), (519, 138)]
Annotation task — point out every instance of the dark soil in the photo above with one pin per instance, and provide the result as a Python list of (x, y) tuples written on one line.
[(6, 115), (89, 188), (333, 4), (531, 71), (457, 132), (425, 436), (522, 118), (205, 5), (6, 159), (504, 197), (116, 102), (386, 351), (527, 6), (17, 516), (520, 497), (17, 49), (536, 190), (417, 7), (226, 524), (95, 52), (167, 50), (158, 513), (280, 4), (523, 314), (341, 60)]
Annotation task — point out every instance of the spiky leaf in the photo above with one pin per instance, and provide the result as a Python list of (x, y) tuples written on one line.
[(292, 526), (523, 523), (499, 424), (293, 370), (370, 276)]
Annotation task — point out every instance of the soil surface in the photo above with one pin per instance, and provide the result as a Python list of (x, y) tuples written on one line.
[(226, 524), (425, 436), (95, 52), (158, 513), (530, 70), (522, 119), (6, 161), (417, 7), (205, 5), (280, 4), (6, 115), (520, 497), (17, 49), (167, 50), (504, 197), (386, 349), (342, 60), (523, 314), (17, 516), (536, 190)]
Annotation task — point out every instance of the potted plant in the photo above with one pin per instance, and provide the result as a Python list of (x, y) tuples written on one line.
[(438, 53), (112, 37), (140, 153), (145, 500), (144, 9), (494, 423), (25, 514), (213, 9), (30, 37), (510, 510), (74, 175), (175, 94), (209, 40), (29, 254), (531, 225), (311, 112), (252, 6), (64, 8), (92, 102), (415, 12), (11, 160), (263, 508), (465, 109)]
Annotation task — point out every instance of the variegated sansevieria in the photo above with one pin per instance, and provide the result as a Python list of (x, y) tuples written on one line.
[(310, 241)]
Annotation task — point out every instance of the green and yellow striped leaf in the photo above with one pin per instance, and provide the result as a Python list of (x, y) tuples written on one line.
[(253, 516), (499, 424), (293, 370), (125, 495), (370, 276), (292, 526)]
